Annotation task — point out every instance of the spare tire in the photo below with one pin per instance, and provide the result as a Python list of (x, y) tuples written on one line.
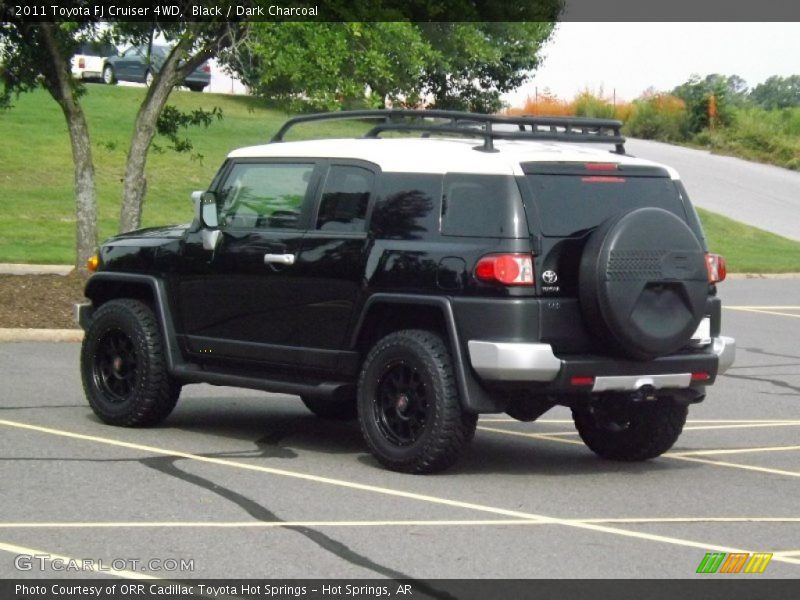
[(643, 283)]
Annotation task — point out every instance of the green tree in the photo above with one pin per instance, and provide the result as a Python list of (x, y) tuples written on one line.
[(777, 92), (38, 54), (325, 65), (714, 94), (474, 63), (192, 44), (332, 65)]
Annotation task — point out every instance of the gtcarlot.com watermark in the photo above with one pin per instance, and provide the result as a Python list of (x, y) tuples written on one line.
[(47, 563)]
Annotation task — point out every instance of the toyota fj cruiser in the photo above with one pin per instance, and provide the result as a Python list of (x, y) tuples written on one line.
[(491, 264)]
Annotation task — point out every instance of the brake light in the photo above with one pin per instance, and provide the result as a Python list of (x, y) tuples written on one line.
[(602, 166), (206, 68), (508, 269), (579, 380), (602, 179), (700, 376), (717, 268), (81, 63)]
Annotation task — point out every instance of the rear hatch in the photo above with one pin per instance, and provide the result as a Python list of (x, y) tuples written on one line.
[(564, 204), (567, 201)]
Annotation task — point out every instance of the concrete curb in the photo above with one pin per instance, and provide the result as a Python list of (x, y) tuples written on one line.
[(40, 335), (24, 269)]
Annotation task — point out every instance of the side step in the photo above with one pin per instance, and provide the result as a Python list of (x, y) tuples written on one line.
[(320, 389)]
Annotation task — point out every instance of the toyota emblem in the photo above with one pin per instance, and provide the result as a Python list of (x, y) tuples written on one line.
[(549, 277)]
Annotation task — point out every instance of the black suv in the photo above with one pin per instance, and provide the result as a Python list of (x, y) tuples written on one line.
[(445, 265)]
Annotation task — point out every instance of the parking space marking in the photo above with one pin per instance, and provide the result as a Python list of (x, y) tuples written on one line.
[(376, 523), (600, 528), (788, 553), (14, 549), (677, 456), (525, 434), (735, 451), (742, 426), (763, 311), (720, 463)]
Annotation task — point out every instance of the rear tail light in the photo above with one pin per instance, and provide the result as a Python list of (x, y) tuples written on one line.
[(579, 380), (717, 268), (508, 269), (206, 68), (81, 63)]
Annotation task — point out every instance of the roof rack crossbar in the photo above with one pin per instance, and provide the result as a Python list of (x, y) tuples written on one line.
[(565, 129)]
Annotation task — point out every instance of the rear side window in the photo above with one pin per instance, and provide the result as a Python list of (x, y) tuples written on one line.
[(568, 205), (407, 207), (482, 206), (345, 197)]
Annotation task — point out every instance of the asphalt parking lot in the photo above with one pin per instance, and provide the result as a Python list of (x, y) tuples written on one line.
[(240, 484)]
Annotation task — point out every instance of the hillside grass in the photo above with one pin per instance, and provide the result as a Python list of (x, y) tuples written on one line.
[(37, 223)]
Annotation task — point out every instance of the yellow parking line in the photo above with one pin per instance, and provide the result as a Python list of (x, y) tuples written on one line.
[(763, 312), (742, 426), (14, 549), (734, 451), (720, 463), (676, 456), (756, 307), (595, 527), (376, 523), (265, 524), (536, 436)]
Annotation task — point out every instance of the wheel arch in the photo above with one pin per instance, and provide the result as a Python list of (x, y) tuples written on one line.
[(104, 286), (383, 314)]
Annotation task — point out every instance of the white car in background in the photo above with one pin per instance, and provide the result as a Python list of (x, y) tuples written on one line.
[(90, 58)]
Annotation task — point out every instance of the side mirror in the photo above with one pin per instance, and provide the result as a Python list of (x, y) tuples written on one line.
[(205, 208), (205, 215)]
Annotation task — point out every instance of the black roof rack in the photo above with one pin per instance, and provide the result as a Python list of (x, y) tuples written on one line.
[(563, 129)]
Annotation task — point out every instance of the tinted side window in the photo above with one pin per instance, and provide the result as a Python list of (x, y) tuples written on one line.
[(264, 196), (407, 206), (482, 206), (345, 197)]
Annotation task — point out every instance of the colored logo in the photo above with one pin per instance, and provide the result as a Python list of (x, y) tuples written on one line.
[(743, 562)]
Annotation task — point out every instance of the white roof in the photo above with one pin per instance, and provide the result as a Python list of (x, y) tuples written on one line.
[(443, 155)]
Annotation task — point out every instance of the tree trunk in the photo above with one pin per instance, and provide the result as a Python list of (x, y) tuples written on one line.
[(135, 183), (58, 83)]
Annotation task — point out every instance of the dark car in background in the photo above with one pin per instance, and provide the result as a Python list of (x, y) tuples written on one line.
[(133, 65)]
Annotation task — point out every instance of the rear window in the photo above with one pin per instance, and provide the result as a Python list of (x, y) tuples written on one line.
[(568, 205)]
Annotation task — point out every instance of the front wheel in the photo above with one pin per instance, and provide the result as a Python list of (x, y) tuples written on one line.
[(618, 429), (408, 404), (124, 368)]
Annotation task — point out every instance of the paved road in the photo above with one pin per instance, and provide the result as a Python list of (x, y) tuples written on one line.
[(247, 484), (760, 195)]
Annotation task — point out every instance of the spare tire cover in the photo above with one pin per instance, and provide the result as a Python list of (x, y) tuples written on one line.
[(643, 283)]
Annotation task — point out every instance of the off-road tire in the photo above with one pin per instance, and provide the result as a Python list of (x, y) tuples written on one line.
[(148, 394), (431, 397), (631, 431), (340, 409)]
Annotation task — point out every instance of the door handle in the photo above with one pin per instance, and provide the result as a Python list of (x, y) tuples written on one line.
[(279, 259)]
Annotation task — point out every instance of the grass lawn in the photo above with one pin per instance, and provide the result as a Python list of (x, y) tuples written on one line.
[(37, 223)]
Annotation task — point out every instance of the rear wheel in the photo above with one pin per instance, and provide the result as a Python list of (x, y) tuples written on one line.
[(195, 88), (123, 366), (619, 429), (408, 404), (108, 75)]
